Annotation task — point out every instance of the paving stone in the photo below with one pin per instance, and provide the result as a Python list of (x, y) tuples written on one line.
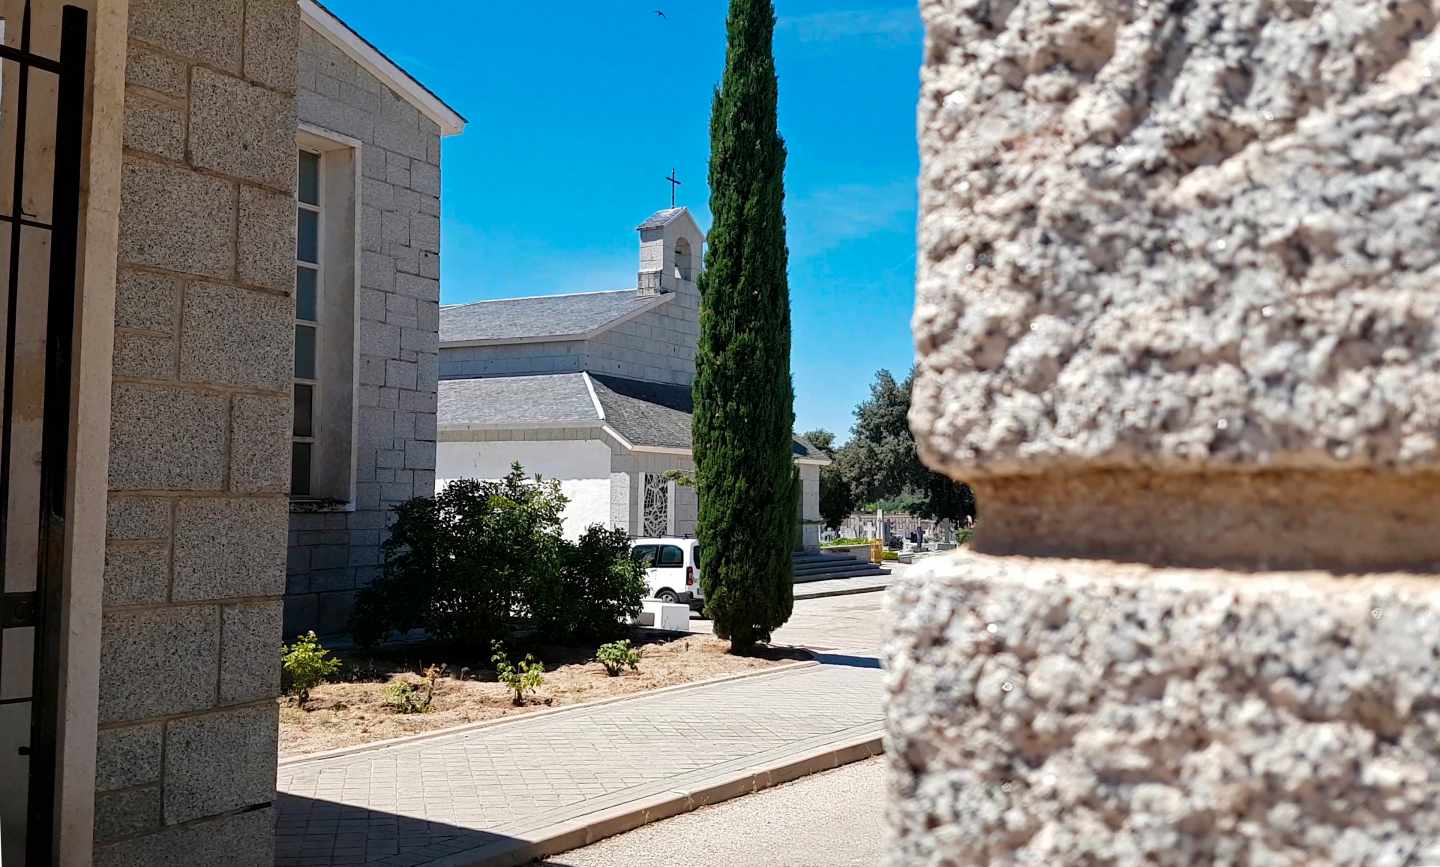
[(234, 336), (458, 792), (237, 747), (176, 219), (242, 130), (166, 439), (227, 548), (158, 661)]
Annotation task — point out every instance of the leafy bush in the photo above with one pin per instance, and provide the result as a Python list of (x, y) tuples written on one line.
[(846, 542), (480, 558), (306, 665), (890, 555), (595, 588), (618, 656), (403, 695), (527, 677), (406, 696)]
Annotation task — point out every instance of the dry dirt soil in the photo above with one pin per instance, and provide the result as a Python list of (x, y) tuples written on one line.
[(354, 712)]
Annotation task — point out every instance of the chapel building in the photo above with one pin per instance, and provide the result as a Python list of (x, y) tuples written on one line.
[(594, 390)]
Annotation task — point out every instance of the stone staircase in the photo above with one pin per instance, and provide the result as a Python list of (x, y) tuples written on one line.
[(820, 566)]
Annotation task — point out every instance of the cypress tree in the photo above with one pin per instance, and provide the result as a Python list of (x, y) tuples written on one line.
[(744, 400)]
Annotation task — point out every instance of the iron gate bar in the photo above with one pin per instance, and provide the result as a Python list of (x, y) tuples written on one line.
[(11, 315), (41, 609), (55, 431), (25, 221), (23, 56)]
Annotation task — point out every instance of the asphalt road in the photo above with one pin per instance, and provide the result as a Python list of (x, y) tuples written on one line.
[(834, 819)]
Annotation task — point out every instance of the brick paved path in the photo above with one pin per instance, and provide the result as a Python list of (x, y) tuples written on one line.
[(411, 804)]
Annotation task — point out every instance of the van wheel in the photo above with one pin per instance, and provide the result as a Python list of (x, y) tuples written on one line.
[(667, 596)]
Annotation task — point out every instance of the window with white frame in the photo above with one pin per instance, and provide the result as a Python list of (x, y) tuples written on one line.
[(307, 323), (326, 270)]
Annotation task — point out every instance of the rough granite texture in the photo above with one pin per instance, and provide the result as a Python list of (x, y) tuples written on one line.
[(1070, 712), (1179, 234)]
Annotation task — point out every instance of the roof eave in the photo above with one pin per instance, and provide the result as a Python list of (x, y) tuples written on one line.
[(359, 49)]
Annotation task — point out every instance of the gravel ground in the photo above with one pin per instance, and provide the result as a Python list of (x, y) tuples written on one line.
[(835, 819)]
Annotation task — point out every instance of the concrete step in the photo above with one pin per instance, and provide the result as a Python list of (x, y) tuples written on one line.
[(817, 566)]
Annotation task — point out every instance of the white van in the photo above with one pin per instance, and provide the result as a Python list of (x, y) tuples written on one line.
[(672, 569)]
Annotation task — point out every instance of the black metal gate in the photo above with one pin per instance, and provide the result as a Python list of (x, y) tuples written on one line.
[(33, 581)]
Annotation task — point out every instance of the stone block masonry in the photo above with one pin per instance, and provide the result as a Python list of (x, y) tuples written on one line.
[(1176, 320), (199, 457), (333, 553)]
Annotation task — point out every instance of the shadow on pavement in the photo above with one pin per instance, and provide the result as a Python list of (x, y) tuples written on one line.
[(848, 661), (316, 833)]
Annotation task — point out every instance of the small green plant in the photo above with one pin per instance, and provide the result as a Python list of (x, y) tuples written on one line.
[(307, 664), (846, 541), (618, 656), (526, 677), (406, 696)]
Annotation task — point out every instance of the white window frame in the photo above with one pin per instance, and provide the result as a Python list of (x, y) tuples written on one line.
[(318, 266)]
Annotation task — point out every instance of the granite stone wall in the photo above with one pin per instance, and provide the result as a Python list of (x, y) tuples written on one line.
[(1176, 317), (336, 551), (199, 455)]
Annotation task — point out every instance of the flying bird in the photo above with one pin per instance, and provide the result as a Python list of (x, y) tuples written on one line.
[(662, 14)]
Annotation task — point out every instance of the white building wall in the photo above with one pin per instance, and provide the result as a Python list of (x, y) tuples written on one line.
[(810, 505), (581, 466)]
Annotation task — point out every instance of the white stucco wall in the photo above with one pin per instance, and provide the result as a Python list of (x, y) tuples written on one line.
[(582, 467)]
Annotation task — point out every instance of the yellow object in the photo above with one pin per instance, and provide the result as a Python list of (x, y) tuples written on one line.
[(877, 551)]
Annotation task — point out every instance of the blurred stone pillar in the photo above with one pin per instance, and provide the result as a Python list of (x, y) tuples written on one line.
[(1179, 284)]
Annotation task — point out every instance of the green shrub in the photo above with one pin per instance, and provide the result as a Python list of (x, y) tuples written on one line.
[(595, 588), (891, 555), (618, 656), (481, 558), (306, 664), (403, 696), (406, 696), (846, 542), (527, 677)]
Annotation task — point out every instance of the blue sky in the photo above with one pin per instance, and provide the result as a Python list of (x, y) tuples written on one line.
[(578, 110)]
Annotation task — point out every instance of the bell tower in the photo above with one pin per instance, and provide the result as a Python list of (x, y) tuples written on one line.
[(672, 249)]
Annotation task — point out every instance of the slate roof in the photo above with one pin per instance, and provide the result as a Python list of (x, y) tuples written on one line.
[(554, 399), (661, 218), (644, 413), (546, 316)]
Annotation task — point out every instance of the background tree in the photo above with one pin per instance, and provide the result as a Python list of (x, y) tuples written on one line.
[(881, 465), (744, 398), (821, 439)]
